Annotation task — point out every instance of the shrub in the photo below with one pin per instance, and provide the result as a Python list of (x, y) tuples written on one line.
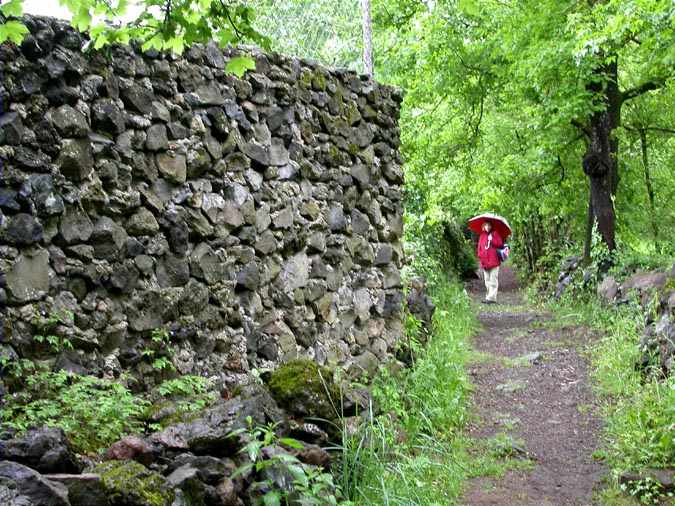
[(410, 454), (92, 412)]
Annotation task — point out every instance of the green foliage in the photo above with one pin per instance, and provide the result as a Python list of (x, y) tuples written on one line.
[(239, 65), (92, 412), (437, 250), (280, 478), (494, 91), (411, 453), (409, 348), (161, 352), (48, 326), (189, 392)]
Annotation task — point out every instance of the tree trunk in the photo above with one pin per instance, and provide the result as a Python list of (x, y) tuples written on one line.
[(601, 159), (367, 38), (650, 189), (589, 231)]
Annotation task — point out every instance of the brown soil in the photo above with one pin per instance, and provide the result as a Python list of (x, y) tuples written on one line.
[(544, 405)]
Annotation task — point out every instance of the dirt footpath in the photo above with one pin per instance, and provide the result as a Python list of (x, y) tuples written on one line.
[(533, 401)]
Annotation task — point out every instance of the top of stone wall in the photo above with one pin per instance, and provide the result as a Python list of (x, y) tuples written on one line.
[(45, 32)]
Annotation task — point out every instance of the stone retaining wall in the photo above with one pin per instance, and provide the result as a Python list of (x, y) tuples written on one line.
[(255, 220)]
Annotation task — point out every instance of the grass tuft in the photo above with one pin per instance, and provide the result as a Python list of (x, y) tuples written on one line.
[(412, 454)]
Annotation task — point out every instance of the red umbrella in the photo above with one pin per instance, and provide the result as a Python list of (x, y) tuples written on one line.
[(499, 224)]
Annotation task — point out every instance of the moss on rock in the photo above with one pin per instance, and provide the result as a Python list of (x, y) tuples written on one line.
[(305, 389), (132, 484)]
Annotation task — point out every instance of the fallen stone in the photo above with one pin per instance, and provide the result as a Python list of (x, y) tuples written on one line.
[(46, 450), (211, 433), (131, 484), (131, 448), (31, 484), (83, 489)]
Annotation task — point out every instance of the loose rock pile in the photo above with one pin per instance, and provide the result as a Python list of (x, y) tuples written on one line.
[(197, 462), (656, 294), (255, 219)]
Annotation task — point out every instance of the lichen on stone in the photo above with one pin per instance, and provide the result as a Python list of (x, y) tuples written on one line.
[(130, 483), (306, 389)]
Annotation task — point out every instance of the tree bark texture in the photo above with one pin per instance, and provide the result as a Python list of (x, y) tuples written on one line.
[(600, 162)]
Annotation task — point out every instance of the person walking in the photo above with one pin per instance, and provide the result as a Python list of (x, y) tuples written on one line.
[(488, 242)]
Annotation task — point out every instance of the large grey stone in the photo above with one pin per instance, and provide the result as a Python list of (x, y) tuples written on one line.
[(138, 98), (45, 449), (211, 433), (156, 139), (172, 271), (75, 226), (360, 222), (362, 135), (232, 215), (29, 483), (70, 122), (107, 117), (28, 278), (362, 303), (384, 254), (108, 238), (142, 222), (83, 489), (608, 289), (274, 154), (172, 166), (23, 230), (76, 159), (209, 94), (336, 218), (361, 173), (294, 272), (144, 312)]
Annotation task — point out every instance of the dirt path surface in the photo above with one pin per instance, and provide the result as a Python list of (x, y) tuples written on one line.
[(533, 401)]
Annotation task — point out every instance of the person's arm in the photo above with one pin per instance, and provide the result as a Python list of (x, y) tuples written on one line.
[(497, 240)]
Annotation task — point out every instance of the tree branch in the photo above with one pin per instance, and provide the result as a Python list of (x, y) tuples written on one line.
[(581, 127), (642, 89), (650, 129)]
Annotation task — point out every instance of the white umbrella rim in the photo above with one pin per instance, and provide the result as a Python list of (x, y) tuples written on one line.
[(492, 216)]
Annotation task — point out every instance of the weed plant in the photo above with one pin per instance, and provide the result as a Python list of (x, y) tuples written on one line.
[(639, 409), (412, 454)]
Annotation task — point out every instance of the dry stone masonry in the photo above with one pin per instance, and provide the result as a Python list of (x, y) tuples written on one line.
[(255, 220)]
